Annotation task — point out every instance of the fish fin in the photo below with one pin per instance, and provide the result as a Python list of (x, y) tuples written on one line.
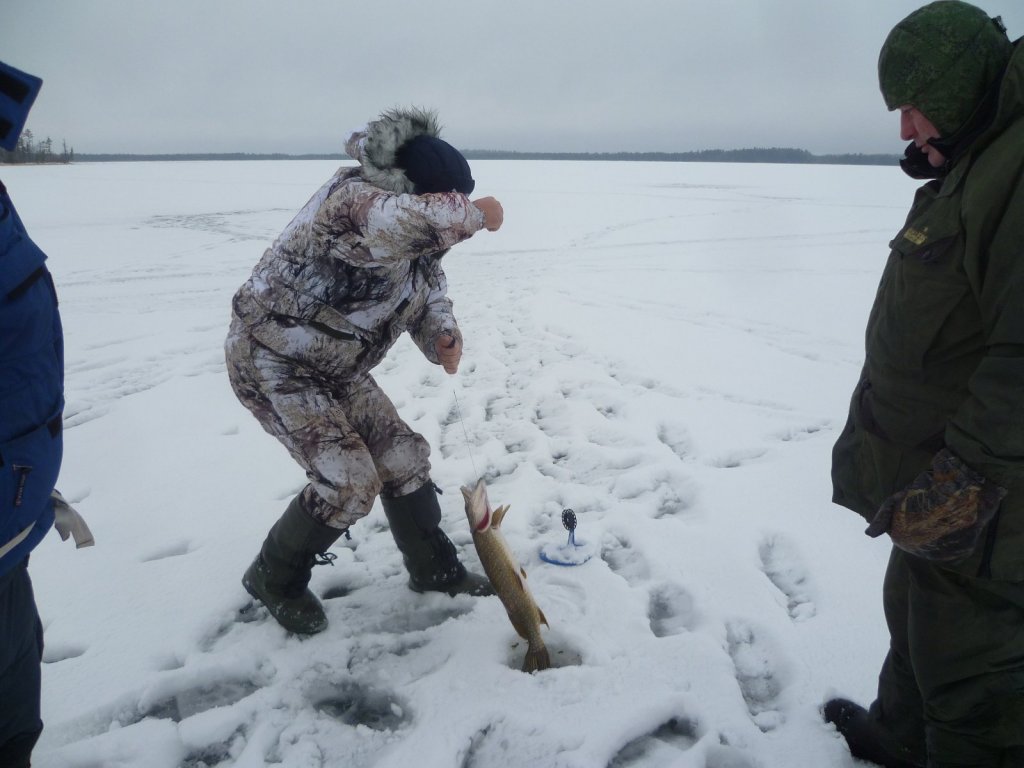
[(522, 584), (543, 618), (522, 578), (499, 515)]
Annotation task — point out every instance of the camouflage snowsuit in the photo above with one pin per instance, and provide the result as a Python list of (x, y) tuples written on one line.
[(358, 265)]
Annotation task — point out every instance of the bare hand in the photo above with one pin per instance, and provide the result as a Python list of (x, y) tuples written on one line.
[(494, 215), (449, 351)]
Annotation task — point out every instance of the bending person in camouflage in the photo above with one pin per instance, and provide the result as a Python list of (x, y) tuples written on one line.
[(359, 265), (933, 451)]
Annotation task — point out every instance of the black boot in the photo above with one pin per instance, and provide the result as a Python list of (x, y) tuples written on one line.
[(866, 739), (429, 555), (279, 576)]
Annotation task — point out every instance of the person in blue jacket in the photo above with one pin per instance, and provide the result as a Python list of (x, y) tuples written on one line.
[(31, 403)]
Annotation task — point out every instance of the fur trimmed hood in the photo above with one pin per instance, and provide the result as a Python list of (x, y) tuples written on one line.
[(376, 145)]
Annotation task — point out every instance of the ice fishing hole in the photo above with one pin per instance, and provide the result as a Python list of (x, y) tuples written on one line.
[(356, 704), (560, 654)]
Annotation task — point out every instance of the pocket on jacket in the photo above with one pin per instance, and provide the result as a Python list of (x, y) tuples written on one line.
[(29, 466), (924, 311)]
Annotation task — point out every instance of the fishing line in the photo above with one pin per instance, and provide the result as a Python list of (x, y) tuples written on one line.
[(469, 447)]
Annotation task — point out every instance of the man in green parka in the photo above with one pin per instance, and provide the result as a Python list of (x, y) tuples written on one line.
[(933, 451)]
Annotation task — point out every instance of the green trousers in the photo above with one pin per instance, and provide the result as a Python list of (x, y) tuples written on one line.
[(952, 685)]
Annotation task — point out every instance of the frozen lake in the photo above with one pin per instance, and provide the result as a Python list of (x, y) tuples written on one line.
[(666, 348)]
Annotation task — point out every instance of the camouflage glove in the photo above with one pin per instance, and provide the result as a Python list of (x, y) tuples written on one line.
[(940, 515)]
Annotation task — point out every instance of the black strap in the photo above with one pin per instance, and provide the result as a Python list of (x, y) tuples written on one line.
[(27, 283)]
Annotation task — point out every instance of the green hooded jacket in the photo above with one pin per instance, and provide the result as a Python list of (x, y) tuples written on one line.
[(944, 359)]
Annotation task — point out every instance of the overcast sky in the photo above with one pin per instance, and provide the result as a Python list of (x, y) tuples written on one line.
[(579, 75)]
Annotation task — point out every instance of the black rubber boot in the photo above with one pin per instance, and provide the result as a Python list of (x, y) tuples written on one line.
[(866, 739), (428, 553), (279, 576)]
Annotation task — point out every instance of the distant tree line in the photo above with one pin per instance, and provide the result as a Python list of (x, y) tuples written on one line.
[(28, 150), (114, 157), (44, 152), (754, 155)]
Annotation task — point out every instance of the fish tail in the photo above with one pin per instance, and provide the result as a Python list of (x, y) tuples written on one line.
[(536, 659)]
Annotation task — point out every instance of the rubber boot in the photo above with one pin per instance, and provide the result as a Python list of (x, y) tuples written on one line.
[(866, 739), (279, 576), (428, 553)]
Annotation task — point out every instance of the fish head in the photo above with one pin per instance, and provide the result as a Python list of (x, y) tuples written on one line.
[(478, 507)]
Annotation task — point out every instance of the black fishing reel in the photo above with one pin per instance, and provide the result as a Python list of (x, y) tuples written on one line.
[(569, 520)]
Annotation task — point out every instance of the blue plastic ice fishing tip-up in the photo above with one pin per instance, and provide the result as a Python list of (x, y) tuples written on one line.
[(570, 553)]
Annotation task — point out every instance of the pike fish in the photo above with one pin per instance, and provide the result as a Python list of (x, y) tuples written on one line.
[(506, 575)]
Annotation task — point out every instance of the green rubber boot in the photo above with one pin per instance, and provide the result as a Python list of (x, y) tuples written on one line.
[(428, 553), (279, 576)]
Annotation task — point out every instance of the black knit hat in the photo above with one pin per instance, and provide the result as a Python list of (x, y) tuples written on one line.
[(434, 165)]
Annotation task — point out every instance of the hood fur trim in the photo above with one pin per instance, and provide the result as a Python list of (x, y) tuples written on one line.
[(383, 138)]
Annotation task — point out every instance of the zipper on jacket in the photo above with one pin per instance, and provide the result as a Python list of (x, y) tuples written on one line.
[(334, 333)]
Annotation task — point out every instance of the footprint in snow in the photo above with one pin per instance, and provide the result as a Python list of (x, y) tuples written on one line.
[(610, 409), (671, 610), (802, 433), (404, 620), (663, 746), (672, 502), (677, 439), (625, 561), (250, 613), (736, 458), (453, 417), (501, 468), (193, 700), (781, 564), (504, 743), (207, 757), (518, 445), (357, 704), (175, 549), (498, 405), (755, 675), (376, 651)]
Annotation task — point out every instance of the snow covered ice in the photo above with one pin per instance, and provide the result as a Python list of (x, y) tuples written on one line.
[(666, 348)]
